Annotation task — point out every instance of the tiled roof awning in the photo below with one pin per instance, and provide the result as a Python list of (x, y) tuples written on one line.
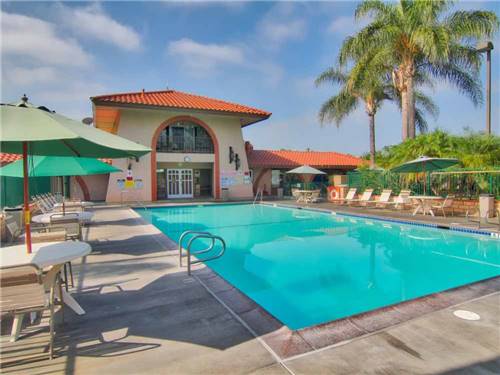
[(291, 159), (180, 100)]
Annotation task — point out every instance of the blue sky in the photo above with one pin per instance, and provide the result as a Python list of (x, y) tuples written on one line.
[(263, 54)]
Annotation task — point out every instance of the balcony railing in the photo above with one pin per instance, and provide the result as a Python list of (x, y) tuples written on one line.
[(202, 145)]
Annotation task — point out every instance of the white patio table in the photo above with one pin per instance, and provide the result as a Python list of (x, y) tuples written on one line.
[(51, 255), (84, 216), (424, 203)]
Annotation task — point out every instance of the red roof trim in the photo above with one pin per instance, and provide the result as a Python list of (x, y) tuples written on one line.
[(289, 159), (178, 99)]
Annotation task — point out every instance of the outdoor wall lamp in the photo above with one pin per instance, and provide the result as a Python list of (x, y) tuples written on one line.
[(481, 48), (237, 161), (231, 155)]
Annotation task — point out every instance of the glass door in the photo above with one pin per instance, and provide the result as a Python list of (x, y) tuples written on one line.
[(180, 183)]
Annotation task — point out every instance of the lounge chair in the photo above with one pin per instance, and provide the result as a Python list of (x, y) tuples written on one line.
[(46, 208), (48, 202), (38, 234), (22, 291), (445, 205), (365, 197), (383, 200), (475, 216), (402, 200), (349, 197)]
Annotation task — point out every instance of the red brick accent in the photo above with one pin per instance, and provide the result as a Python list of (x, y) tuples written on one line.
[(84, 187)]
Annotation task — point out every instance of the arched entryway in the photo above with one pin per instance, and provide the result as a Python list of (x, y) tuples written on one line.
[(184, 135)]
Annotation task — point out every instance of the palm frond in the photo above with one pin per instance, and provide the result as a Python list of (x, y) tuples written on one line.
[(467, 83), (472, 24), (337, 108), (331, 75)]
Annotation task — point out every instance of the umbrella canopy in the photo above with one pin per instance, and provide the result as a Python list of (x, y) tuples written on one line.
[(307, 173), (26, 129), (425, 164), (51, 134), (47, 166), (305, 169)]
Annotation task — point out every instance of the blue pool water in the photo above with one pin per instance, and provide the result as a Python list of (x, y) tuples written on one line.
[(307, 267)]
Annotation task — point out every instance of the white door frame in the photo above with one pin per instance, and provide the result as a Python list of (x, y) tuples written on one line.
[(182, 187)]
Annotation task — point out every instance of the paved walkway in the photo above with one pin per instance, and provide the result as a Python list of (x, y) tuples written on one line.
[(144, 315)]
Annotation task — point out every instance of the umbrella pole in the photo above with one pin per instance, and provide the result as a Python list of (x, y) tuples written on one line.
[(27, 214), (63, 195)]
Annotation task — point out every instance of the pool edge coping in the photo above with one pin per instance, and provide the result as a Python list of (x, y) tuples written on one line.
[(288, 344)]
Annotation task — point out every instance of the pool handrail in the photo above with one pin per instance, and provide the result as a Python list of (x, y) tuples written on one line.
[(213, 238), (186, 233)]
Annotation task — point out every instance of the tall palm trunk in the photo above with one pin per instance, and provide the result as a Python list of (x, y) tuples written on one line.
[(410, 98), (399, 82), (404, 115), (371, 116)]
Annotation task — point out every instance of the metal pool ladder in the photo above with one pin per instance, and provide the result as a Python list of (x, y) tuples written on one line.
[(259, 192), (197, 235)]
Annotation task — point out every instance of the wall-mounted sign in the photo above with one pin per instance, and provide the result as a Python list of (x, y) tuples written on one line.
[(187, 159)]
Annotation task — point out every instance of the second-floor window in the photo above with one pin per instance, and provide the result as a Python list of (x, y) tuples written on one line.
[(185, 137)]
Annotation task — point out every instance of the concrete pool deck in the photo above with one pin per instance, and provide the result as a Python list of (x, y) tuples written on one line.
[(145, 315)]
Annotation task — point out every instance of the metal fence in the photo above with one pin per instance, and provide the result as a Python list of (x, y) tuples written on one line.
[(463, 183)]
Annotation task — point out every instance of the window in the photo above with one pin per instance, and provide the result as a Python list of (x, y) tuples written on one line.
[(185, 136)]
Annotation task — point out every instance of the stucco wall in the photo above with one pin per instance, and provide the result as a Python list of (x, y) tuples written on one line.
[(97, 186), (140, 126)]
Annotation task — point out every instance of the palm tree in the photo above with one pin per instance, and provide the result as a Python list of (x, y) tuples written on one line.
[(421, 36), (370, 90)]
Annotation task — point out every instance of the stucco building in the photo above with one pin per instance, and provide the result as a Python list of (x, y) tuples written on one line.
[(197, 145)]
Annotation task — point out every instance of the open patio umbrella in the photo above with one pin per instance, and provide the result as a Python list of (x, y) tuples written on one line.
[(425, 164), (306, 172), (26, 129), (57, 166)]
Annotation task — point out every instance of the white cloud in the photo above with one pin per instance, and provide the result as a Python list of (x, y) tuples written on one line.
[(346, 25), (26, 76), (282, 24), (38, 40), (93, 22), (205, 57), (201, 4)]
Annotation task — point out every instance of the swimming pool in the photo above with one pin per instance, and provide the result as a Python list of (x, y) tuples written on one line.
[(306, 267)]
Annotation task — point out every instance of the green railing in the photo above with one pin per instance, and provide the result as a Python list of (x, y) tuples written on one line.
[(463, 183)]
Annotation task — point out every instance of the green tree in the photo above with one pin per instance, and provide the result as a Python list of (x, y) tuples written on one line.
[(422, 37), (368, 83), (474, 150), (369, 90)]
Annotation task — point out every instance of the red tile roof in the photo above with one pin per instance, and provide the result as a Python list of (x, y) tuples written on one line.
[(177, 99), (6, 158), (290, 159)]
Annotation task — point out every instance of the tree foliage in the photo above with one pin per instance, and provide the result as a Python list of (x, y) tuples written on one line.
[(421, 37), (474, 150)]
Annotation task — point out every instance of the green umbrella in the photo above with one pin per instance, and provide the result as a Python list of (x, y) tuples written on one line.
[(55, 166), (50, 134), (425, 164), (26, 129)]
